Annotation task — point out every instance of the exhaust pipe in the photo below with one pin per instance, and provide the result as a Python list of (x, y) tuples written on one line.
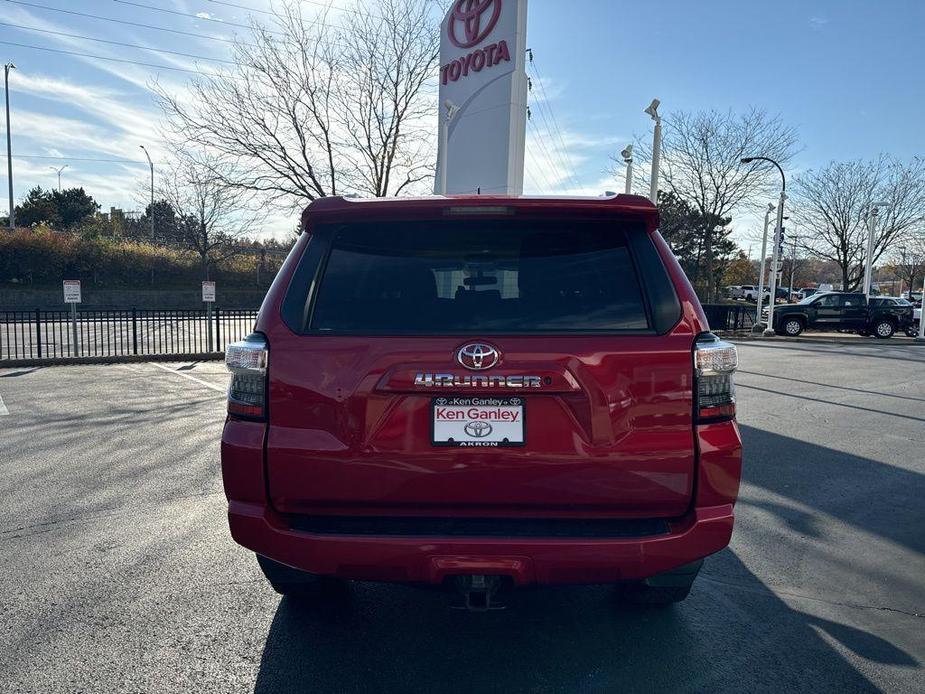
[(478, 592)]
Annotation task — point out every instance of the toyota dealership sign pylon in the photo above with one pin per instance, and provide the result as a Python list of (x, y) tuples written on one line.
[(483, 97)]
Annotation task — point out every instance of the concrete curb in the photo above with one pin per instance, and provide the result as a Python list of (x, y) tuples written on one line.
[(824, 340), (129, 359)]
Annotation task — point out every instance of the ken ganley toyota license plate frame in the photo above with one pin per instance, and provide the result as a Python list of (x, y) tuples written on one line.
[(461, 422)]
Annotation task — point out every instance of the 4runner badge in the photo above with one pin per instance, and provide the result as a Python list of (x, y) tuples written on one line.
[(428, 380)]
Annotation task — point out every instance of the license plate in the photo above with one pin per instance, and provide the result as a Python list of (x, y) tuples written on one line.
[(475, 422)]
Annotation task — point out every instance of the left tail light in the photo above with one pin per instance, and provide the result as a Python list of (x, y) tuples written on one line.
[(715, 362), (247, 361)]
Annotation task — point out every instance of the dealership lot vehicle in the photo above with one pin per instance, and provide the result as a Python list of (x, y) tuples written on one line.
[(121, 554), (531, 386), (881, 317), (807, 292)]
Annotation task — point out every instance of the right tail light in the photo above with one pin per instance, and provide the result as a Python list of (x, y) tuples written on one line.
[(247, 361), (715, 362)]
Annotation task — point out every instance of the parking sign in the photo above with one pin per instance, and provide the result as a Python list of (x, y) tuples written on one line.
[(208, 292), (72, 291)]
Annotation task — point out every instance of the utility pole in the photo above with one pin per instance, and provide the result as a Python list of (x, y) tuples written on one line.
[(9, 141), (793, 266), (764, 254), (58, 171), (871, 240), (627, 155), (151, 208), (776, 250), (652, 111)]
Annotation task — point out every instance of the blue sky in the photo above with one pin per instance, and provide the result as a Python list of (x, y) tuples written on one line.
[(848, 74)]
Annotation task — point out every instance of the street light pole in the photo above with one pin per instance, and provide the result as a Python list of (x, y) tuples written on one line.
[(871, 232), (793, 265), (58, 171), (151, 208), (9, 141), (764, 253), (652, 110), (921, 337), (627, 155), (769, 331)]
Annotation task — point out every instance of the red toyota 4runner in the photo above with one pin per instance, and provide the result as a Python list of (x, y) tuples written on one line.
[(479, 392)]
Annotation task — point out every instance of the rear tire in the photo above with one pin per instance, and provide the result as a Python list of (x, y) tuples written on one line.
[(299, 584), (884, 329), (653, 596), (662, 589)]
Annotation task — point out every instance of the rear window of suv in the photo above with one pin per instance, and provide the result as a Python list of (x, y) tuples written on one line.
[(465, 276)]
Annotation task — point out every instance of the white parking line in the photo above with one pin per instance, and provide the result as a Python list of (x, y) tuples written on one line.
[(220, 389), (3, 411)]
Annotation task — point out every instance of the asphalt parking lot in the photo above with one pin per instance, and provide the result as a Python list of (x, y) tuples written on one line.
[(118, 573)]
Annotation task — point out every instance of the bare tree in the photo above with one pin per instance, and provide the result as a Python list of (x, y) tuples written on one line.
[(313, 108), (908, 262), (833, 205), (212, 218), (701, 164)]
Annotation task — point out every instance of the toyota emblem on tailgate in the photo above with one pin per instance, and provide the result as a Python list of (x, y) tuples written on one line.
[(478, 430), (478, 356)]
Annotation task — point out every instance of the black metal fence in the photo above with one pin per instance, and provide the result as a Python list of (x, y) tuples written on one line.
[(26, 335), (730, 317), (50, 334)]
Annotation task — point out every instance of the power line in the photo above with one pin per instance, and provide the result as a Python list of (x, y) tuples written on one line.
[(103, 57), (192, 16), (555, 130), (327, 5), (49, 157), (242, 7), (117, 43), (553, 152), (270, 13), (536, 158), (121, 21)]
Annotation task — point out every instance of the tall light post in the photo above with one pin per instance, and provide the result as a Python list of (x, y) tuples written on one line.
[(627, 155), (775, 251), (58, 171), (151, 208), (652, 110), (921, 337), (9, 141), (449, 113), (871, 233), (764, 253)]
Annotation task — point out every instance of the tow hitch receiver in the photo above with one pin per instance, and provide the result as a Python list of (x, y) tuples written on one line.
[(478, 593)]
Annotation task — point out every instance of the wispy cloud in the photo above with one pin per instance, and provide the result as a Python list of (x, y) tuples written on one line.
[(818, 23)]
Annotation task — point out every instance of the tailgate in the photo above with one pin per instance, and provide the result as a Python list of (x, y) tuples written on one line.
[(608, 431), (565, 334)]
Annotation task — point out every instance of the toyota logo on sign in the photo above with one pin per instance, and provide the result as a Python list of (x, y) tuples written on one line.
[(478, 430), (478, 356), (477, 17)]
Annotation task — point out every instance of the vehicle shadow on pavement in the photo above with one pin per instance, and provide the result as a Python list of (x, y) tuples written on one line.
[(875, 497), (734, 633), (578, 639)]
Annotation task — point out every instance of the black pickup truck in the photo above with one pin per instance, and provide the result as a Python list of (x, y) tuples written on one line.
[(843, 311)]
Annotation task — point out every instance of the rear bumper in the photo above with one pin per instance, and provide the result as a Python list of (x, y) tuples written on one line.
[(429, 560)]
